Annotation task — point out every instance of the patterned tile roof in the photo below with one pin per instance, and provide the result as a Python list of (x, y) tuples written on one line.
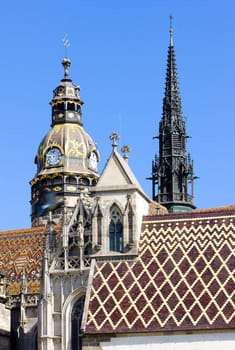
[(183, 278), (22, 249)]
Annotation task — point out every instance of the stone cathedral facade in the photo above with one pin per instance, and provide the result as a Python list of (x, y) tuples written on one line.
[(104, 266)]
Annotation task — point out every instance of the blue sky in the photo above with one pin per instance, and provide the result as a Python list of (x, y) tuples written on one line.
[(118, 52)]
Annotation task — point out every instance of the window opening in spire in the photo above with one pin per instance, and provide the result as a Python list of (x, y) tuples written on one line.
[(71, 180), (60, 106), (70, 106)]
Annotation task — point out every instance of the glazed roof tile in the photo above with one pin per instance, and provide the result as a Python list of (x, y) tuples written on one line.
[(183, 278), (22, 250)]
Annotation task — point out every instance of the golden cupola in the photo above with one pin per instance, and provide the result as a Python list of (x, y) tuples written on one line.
[(67, 157)]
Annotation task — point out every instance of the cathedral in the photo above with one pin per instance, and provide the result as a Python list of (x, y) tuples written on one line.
[(104, 266)]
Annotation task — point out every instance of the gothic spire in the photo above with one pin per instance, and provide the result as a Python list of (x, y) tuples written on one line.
[(172, 101), (172, 170)]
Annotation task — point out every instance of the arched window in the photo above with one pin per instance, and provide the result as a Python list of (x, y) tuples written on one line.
[(70, 106), (115, 230), (130, 225), (46, 182), (60, 106), (57, 180), (35, 339), (99, 227), (71, 180), (76, 320)]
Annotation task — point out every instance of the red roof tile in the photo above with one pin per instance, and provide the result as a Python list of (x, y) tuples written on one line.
[(22, 249), (183, 278)]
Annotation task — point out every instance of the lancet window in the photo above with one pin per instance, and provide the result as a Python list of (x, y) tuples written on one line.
[(116, 229), (76, 319)]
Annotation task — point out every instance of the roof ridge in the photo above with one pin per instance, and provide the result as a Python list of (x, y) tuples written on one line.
[(27, 230)]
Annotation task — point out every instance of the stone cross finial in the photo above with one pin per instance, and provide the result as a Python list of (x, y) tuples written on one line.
[(125, 150), (114, 137)]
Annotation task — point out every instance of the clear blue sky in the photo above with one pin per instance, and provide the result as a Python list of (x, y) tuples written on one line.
[(118, 52)]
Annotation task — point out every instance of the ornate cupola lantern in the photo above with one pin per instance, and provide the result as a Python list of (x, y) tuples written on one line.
[(66, 103), (67, 158), (172, 170)]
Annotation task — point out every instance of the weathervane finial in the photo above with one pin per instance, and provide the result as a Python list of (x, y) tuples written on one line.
[(66, 43), (171, 18), (171, 31)]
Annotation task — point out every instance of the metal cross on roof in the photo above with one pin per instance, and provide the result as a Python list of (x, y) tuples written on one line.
[(114, 137)]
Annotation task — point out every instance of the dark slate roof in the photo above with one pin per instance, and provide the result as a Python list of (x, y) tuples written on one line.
[(183, 278)]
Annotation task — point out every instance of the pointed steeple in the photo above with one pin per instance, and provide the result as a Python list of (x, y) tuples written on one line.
[(172, 101), (171, 31), (172, 170)]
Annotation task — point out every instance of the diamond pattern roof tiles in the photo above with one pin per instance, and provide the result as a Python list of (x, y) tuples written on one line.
[(182, 279), (22, 250)]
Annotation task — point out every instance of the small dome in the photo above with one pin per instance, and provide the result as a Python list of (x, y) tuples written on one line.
[(66, 89), (67, 148)]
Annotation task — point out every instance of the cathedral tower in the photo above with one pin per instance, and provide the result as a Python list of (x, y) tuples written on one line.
[(172, 170), (67, 157)]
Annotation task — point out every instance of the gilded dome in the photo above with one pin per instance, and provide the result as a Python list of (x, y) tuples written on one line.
[(67, 148), (67, 157)]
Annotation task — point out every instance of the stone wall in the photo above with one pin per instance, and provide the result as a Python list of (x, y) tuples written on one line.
[(4, 328), (203, 341)]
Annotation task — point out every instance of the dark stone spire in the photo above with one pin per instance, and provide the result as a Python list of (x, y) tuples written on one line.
[(172, 170), (171, 102)]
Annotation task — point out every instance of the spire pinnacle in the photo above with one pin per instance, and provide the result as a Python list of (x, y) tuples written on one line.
[(171, 31), (172, 170), (125, 150)]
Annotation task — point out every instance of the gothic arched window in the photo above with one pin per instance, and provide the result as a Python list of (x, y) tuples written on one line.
[(70, 106), (115, 230), (99, 227), (76, 319), (130, 225)]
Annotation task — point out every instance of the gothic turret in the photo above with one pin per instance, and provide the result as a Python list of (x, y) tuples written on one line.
[(67, 157), (172, 170)]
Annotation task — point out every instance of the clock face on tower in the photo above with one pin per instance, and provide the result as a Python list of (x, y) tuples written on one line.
[(53, 156), (93, 161)]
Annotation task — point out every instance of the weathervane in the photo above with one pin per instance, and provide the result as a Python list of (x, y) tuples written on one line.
[(66, 43), (171, 18), (171, 30)]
